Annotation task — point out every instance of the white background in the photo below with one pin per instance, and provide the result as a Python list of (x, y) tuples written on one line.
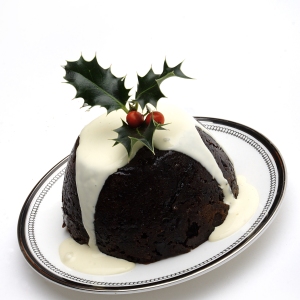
[(245, 58)]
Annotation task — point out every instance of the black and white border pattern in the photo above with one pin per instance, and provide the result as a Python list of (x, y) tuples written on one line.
[(53, 180)]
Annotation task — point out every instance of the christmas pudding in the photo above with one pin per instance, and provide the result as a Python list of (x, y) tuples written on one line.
[(142, 189)]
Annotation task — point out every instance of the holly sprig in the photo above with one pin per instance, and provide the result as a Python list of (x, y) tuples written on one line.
[(128, 136), (98, 86)]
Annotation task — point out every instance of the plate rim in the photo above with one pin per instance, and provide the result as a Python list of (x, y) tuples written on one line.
[(265, 222)]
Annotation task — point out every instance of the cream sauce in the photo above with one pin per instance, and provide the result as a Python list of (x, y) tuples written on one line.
[(96, 159), (90, 260)]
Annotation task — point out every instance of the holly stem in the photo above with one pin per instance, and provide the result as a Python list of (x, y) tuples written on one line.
[(133, 105)]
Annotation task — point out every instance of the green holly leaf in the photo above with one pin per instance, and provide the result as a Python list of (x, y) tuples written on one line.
[(149, 86), (128, 136), (97, 86)]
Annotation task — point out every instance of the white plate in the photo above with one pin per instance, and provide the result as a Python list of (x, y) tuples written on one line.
[(40, 223)]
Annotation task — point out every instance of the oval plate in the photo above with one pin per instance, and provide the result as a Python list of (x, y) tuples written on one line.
[(40, 223)]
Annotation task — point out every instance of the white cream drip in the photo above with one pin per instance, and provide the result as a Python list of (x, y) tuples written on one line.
[(240, 212), (96, 159), (182, 136)]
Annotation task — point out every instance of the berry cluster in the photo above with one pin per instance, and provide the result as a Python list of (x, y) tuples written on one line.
[(136, 119)]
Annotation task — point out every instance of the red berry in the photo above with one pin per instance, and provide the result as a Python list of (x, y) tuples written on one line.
[(134, 119), (157, 117)]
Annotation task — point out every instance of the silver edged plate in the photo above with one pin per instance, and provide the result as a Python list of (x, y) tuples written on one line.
[(40, 223)]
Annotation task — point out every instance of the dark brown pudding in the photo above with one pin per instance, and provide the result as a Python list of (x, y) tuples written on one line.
[(157, 206)]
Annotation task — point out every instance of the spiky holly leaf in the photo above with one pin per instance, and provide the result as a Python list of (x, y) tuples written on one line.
[(149, 86), (128, 136), (97, 86)]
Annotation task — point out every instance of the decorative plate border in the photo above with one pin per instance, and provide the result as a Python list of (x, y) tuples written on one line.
[(50, 271)]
